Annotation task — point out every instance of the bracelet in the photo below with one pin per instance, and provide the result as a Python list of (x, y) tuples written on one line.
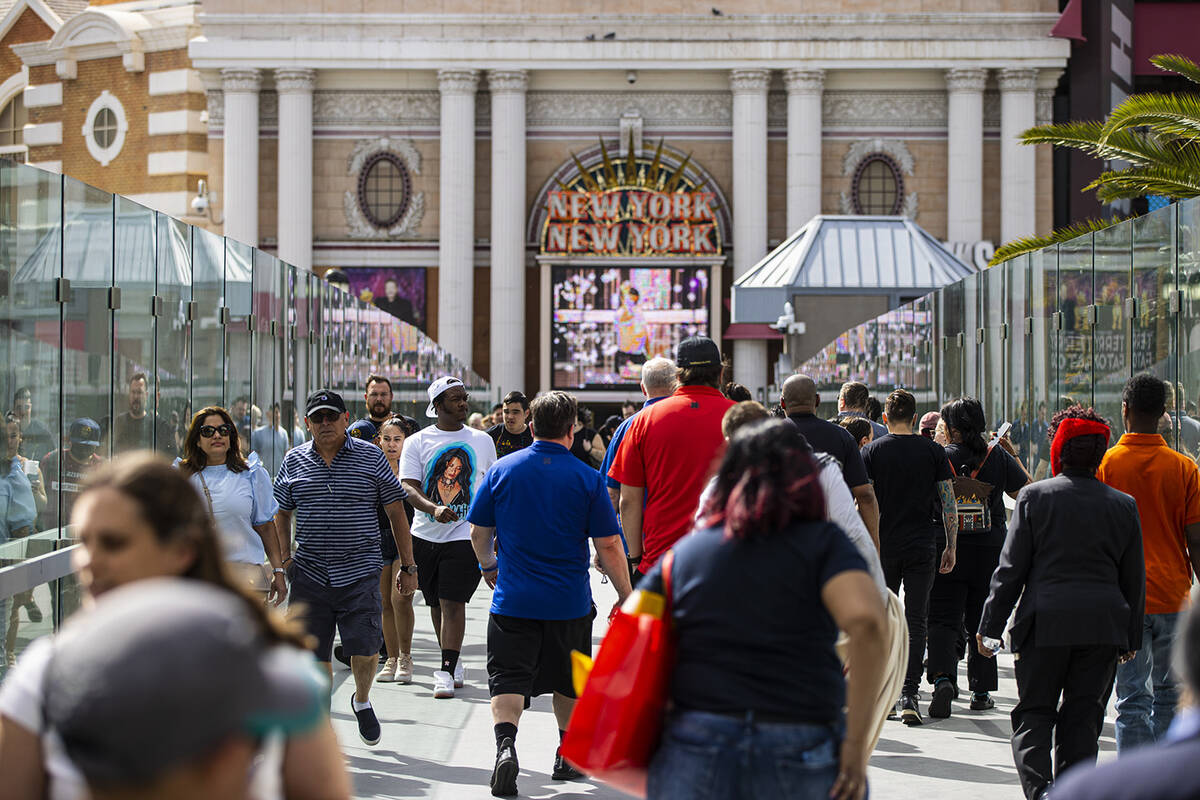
[(289, 558), (635, 560), (495, 565)]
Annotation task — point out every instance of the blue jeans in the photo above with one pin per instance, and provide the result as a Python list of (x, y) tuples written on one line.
[(1146, 691), (706, 755)]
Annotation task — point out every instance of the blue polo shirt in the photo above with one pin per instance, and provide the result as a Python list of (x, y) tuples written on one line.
[(337, 524), (544, 504), (614, 444)]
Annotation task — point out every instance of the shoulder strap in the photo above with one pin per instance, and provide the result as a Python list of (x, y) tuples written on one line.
[(668, 560), (985, 458), (953, 471)]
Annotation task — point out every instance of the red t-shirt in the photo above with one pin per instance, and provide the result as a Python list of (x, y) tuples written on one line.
[(670, 449)]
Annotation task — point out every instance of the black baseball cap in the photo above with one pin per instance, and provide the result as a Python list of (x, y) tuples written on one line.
[(697, 351), (323, 399)]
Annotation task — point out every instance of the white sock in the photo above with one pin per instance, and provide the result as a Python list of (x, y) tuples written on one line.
[(360, 706)]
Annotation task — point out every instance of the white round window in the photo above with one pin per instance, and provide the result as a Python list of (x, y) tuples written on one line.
[(105, 129)]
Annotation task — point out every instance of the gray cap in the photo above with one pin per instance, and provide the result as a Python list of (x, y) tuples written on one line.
[(162, 671)]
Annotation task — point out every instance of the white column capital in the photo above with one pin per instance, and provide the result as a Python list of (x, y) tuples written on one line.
[(749, 81), (291, 80), (508, 81), (1018, 80), (804, 80), (237, 79), (965, 79), (458, 81)]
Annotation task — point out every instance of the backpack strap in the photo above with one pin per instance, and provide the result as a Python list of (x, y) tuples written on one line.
[(985, 458)]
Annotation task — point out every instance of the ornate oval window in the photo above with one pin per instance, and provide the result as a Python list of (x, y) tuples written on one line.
[(878, 186), (384, 190), (105, 128)]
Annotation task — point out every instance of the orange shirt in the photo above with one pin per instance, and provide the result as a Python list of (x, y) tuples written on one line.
[(1166, 486)]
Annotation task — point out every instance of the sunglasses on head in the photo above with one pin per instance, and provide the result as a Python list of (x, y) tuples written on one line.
[(318, 417), (208, 431)]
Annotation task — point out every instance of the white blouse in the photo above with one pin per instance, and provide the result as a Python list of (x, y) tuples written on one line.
[(238, 501)]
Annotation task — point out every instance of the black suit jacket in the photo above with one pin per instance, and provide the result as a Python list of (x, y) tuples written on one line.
[(1159, 772), (1074, 546)]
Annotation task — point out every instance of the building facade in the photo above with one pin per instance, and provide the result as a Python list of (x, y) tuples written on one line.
[(556, 192)]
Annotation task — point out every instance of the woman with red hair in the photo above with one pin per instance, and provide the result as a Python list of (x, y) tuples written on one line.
[(757, 594), (1073, 555)]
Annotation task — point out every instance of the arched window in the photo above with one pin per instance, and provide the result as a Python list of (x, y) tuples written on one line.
[(12, 128), (878, 186), (384, 190)]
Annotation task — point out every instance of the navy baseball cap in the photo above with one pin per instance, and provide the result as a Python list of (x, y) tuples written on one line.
[(362, 429), (323, 399), (697, 351), (85, 431)]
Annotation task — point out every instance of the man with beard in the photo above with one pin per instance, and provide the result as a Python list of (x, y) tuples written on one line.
[(441, 467), (137, 429), (379, 403)]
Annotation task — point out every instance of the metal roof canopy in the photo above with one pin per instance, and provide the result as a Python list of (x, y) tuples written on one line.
[(846, 255)]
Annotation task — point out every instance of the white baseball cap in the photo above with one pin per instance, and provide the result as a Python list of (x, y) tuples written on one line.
[(435, 391)]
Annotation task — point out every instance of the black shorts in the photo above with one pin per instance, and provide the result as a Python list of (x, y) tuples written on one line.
[(387, 546), (530, 657), (445, 570), (354, 610)]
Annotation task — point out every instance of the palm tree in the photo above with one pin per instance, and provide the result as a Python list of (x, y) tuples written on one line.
[(1155, 134)]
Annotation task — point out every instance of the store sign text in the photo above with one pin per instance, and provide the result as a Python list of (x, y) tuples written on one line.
[(631, 222)]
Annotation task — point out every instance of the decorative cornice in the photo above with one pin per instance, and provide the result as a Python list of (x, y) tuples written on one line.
[(894, 148), (291, 80), (1018, 80), (965, 79), (749, 81), (241, 80), (458, 81), (508, 81), (804, 81)]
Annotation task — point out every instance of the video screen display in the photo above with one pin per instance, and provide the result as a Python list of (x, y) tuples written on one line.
[(606, 322)]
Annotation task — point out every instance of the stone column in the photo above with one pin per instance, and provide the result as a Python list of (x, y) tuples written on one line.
[(295, 90), (749, 205), (456, 220), (239, 198), (1018, 162), (804, 88), (508, 229), (964, 168)]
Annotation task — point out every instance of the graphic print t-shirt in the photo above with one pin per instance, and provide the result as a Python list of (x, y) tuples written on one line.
[(449, 466), (509, 443)]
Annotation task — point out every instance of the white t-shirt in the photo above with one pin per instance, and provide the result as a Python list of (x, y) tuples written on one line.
[(240, 500), (449, 466)]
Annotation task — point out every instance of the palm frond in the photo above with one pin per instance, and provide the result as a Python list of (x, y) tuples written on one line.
[(1178, 64), (1165, 180), (1171, 115), (1031, 244), (1132, 146)]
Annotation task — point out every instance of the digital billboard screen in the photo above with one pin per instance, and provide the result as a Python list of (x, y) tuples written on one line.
[(608, 321)]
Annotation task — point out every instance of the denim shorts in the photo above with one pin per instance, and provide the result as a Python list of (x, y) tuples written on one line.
[(705, 755)]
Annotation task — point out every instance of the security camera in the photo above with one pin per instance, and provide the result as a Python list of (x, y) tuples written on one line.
[(631, 76), (200, 204)]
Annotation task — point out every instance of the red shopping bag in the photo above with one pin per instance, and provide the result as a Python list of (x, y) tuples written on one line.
[(618, 719)]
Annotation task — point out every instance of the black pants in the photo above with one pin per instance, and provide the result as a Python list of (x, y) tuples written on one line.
[(914, 565), (1083, 677), (956, 602)]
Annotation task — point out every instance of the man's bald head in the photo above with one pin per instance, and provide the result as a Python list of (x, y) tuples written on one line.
[(799, 395)]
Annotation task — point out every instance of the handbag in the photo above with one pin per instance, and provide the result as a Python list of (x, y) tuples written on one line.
[(619, 716)]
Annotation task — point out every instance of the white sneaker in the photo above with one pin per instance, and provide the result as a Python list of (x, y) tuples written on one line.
[(460, 673), (443, 684), (404, 668), (388, 673)]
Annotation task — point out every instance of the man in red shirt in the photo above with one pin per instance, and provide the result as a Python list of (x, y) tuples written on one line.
[(668, 454)]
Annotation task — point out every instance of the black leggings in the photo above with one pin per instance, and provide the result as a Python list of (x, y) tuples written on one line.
[(956, 601)]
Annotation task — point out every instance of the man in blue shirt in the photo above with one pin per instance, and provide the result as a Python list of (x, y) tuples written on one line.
[(531, 520)]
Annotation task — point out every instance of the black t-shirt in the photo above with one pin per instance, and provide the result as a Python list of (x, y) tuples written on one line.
[(826, 437), (1004, 474), (133, 433), (720, 586), (581, 448), (906, 470), (507, 442), (36, 441)]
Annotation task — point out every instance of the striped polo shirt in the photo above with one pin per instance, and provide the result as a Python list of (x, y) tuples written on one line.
[(337, 523)]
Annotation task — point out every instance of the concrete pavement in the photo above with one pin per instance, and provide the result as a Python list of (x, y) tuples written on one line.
[(445, 748)]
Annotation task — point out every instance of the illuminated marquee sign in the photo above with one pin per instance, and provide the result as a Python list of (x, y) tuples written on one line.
[(633, 207)]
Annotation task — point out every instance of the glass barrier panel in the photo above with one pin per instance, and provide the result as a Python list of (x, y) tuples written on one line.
[(28, 616), (1154, 328), (1075, 295), (207, 325), (953, 318), (1043, 355), (970, 343), (265, 432), (993, 384), (1110, 333), (239, 349), (1020, 411), (1188, 277), (174, 357)]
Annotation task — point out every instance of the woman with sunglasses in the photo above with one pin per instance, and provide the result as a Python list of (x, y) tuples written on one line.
[(237, 492), (136, 519)]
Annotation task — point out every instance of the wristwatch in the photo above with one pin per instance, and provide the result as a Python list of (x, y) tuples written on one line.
[(279, 570), (408, 569)]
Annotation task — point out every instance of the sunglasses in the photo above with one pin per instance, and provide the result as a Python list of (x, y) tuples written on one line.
[(320, 417), (208, 431)]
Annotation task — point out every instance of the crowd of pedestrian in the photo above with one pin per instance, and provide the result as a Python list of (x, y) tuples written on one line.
[(822, 566)]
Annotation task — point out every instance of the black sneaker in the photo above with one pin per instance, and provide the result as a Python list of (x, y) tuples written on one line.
[(894, 711), (340, 655), (504, 774), (562, 770), (909, 713), (33, 612), (368, 724), (943, 693), (981, 701)]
